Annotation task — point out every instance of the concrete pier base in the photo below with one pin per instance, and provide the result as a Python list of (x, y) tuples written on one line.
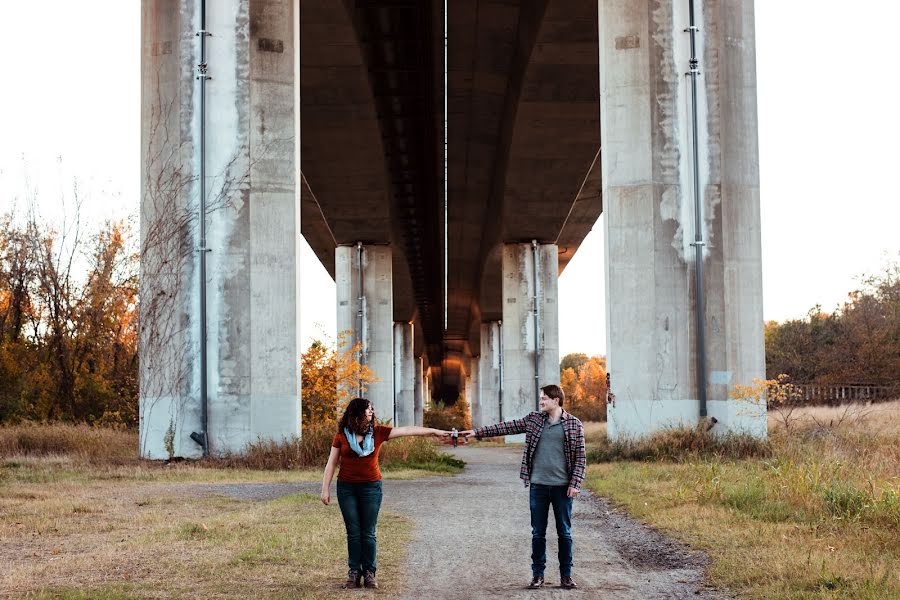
[(420, 391), (252, 222), (488, 376), (649, 215), (473, 391), (530, 328), (365, 314), (404, 375)]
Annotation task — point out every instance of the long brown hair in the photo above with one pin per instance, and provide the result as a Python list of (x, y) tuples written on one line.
[(354, 417)]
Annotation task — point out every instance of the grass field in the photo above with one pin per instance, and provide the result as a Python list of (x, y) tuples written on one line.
[(816, 515), (81, 517)]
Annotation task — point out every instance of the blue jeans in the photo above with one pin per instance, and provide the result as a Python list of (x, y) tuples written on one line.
[(541, 498), (360, 503)]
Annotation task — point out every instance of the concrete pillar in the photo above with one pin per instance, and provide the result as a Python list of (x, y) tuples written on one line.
[(364, 296), (404, 375), (252, 225), (464, 380), (429, 388), (648, 213), (419, 393), (488, 376), (474, 390), (530, 338)]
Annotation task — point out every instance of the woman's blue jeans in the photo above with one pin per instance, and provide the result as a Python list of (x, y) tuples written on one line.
[(360, 503), (541, 498)]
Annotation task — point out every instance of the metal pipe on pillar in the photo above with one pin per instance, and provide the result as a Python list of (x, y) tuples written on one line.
[(202, 437), (398, 371), (360, 355), (500, 365), (537, 343), (698, 242)]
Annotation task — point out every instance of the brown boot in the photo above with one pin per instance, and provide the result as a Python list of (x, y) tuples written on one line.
[(369, 580), (567, 584), (536, 583), (353, 579)]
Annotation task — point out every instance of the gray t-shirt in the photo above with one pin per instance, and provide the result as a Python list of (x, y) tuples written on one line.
[(548, 465)]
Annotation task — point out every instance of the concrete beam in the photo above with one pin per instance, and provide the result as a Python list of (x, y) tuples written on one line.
[(252, 224), (365, 314), (530, 325)]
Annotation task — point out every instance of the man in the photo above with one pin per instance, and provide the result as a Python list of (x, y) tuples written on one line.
[(553, 464)]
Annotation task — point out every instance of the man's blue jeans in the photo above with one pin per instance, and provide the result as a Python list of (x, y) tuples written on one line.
[(542, 497), (360, 503)]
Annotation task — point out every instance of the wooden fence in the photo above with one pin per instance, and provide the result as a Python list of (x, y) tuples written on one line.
[(842, 393)]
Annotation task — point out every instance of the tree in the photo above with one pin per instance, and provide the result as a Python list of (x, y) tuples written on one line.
[(573, 360), (68, 339), (858, 343), (331, 376), (585, 387)]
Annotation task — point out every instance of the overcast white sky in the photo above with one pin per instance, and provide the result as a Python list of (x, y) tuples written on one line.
[(828, 127)]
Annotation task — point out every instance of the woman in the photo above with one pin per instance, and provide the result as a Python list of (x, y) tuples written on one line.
[(356, 445)]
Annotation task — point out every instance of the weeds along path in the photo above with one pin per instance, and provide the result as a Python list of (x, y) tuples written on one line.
[(473, 538)]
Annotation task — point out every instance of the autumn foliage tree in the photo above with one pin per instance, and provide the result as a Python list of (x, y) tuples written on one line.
[(857, 343), (331, 376), (68, 322), (583, 379)]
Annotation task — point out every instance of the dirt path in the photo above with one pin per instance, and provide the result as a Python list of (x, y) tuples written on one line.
[(473, 538)]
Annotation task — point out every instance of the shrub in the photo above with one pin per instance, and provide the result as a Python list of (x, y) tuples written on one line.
[(680, 443), (441, 416)]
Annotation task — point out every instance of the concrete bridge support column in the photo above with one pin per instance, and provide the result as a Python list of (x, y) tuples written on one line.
[(428, 384), (649, 215), (252, 226), (419, 393), (464, 380), (473, 391), (488, 376), (404, 375), (530, 331), (365, 310)]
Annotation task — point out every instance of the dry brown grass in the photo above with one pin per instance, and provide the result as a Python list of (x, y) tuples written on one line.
[(81, 442), (68, 450), (880, 418), (147, 540), (75, 523), (819, 518)]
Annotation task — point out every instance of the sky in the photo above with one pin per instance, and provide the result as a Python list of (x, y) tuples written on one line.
[(828, 131)]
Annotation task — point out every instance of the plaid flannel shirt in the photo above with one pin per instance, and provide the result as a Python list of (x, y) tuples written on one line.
[(532, 425)]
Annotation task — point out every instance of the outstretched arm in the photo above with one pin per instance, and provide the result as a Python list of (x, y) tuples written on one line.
[(506, 428), (333, 459), (413, 430)]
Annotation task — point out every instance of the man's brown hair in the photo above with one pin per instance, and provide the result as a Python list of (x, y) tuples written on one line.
[(555, 392)]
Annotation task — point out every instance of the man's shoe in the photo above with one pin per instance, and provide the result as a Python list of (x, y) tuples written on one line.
[(369, 580), (353, 579), (567, 584), (536, 583)]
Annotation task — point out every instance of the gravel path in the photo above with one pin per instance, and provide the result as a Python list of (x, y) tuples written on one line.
[(472, 538)]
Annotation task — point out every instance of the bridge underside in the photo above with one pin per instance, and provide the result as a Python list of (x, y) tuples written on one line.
[(523, 135), (445, 205)]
